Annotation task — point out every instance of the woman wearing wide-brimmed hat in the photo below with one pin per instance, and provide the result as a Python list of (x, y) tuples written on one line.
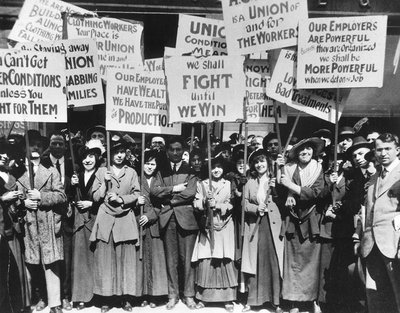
[(85, 214), (262, 253), (214, 250), (302, 182), (115, 231)]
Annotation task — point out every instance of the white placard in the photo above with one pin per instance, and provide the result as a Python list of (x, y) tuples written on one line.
[(205, 89), (32, 86), (342, 52), (253, 26)]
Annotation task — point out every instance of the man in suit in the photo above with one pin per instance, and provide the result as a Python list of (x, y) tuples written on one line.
[(381, 236), (57, 159), (174, 191), (45, 202)]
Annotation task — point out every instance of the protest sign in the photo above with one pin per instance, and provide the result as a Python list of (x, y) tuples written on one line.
[(320, 103), (81, 67), (205, 89), (40, 20), (252, 26), (136, 102), (260, 107), (154, 65), (201, 37), (118, 42), (342, 52), (32, 86)]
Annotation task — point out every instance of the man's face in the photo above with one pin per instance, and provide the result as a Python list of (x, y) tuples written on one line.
[(386, 152), (359, 157), (196, 163), (98, 135), (57, 146), (175, 152), (36, 148), (157, 143), (345, 143), (272, 146)]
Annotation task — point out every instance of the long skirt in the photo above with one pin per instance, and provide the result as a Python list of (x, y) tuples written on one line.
[(82, 266), (215, 280), (266, 285), (115, 267), (337, 283), (153, 265), (301, 268), (16, 245)]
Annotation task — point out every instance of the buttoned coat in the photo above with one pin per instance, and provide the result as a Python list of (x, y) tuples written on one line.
[(122, 225), (382, 206), (43, 240), (181, 203)]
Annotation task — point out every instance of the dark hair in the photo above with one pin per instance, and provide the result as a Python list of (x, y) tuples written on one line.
[(253, 171), (151, 154), (388, 137), (176, 139), (196, 151)]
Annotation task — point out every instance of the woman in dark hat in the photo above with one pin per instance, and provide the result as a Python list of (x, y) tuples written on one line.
[(262, 249), (301, 182), (85, 215), (115, 231), (214, 250), (152, 266), (14, 285)]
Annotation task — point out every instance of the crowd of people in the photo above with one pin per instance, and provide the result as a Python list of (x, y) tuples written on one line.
[(305, 229)]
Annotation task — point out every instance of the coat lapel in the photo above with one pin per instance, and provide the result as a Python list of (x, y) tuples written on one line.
[(42, 175), (392, 177)]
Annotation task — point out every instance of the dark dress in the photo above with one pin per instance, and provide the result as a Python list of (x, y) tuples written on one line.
[(82, 260), (15, 289), (302, 252), (153, 265)]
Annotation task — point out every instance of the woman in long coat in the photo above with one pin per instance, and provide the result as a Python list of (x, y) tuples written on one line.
[(85, 215), (115, 231), (302, 182), (14, 284), (153, 265), (214, 250), (262, 255)]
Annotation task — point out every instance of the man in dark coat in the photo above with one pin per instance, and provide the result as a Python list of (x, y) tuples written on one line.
[(174, 191), (57, 159)]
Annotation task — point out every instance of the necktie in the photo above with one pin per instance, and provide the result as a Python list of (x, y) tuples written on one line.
[(384, 173), (33, 169), (174, 169), (58, 167)]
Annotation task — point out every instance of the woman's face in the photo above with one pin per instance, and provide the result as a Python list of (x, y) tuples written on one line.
[(150, 167), (240, 166), (89, 162), (217, 171), (118, 156), (196, 163), (261, 165), (305, 154)]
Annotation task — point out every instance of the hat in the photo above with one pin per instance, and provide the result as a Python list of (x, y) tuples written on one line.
[(316, 143), (117, 142), (34, 135), (358, 142), (268, 138), (222, 147), (257, 153), (93, 146), (346, 131), (326, 133), (238, 152), (97, 128)]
